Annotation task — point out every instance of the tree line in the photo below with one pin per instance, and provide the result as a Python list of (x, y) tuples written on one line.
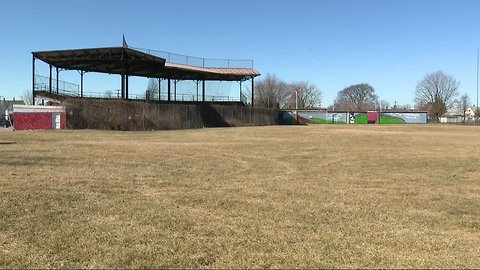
[(272, 92), (435, 93)]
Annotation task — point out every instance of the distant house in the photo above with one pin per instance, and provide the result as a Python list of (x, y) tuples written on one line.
[(455, 115), (470, 114), (6, 107)]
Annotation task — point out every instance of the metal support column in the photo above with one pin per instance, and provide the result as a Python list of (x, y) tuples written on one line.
[(50, 80), (126, 87), (175, 90), (203, 90), (58, 72), (169, 89), (240, 82), (123, 71), (33, 79), (253, 90), (159, 89), (197, 82), (123, 86), (81, 83)]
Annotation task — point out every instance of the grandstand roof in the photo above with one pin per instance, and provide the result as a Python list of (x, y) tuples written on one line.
[(128, 61)]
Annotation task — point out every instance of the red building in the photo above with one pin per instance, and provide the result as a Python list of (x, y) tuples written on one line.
[(38, 117), (372, 117)]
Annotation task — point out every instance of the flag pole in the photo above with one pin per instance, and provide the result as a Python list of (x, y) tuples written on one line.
[(124, 43)]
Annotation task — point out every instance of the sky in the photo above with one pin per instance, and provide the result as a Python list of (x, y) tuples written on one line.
[(389, 44)]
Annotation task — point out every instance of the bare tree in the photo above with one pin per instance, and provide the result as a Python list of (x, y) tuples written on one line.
[(27, 97), (383, 105), (359, 97), (464, 104), (304, 95), (421, 107), (151, 93), (405, 107), (437, 91), (271, 92)]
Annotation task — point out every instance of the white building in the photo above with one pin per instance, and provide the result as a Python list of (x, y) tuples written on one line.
[(455, 115)]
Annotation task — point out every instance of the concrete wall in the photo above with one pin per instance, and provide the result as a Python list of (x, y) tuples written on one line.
[(344, 117), (138, 115)]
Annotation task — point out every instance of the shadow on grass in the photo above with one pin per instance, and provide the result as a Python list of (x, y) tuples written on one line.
[(32, 161)]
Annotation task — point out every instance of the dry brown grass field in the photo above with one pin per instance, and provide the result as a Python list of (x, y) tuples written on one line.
[(399, 196)]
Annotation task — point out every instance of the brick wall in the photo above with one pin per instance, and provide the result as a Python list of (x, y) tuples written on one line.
[(36, 120)]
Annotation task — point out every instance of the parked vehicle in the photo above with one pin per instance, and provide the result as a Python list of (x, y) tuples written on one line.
[(5, 123)]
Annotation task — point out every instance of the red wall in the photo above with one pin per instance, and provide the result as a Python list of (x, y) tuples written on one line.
[(31, 120), (372, 117), (63, 120)]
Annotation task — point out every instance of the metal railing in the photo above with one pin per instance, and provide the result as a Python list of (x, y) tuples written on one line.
[(198, 61), (67, 89), (193, 97), (243, 98), (115, 95), (42, 83)]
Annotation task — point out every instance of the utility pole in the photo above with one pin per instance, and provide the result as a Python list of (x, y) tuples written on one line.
[(296, 100), (476, 113), (296, 104)]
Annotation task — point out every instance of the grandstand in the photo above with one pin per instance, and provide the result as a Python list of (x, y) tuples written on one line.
[(121, 110), (127, 61)]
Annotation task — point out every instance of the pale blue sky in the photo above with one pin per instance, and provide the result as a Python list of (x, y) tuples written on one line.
[(390, 44)]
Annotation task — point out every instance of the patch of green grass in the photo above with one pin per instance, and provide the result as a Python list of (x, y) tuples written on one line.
[(319, 196), (386, 119), (361, 118), (324, 121)]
